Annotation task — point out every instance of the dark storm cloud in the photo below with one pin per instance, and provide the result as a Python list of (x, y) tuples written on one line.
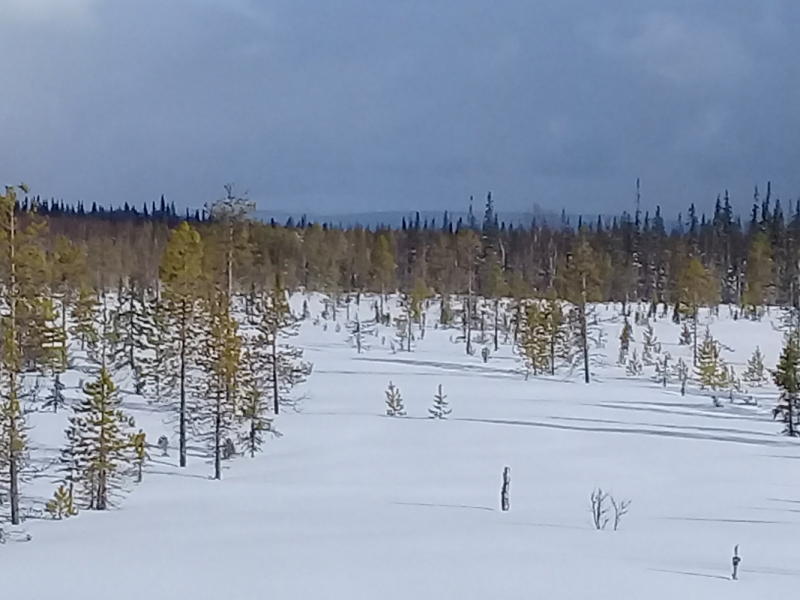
[(358, 104)]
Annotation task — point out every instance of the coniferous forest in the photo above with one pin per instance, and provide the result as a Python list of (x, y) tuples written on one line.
[(692, 257), (192, 311)]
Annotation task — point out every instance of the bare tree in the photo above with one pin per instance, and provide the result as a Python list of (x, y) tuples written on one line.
[(620, 510), (599, 509)]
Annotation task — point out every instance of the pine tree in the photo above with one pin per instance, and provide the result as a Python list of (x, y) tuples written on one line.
[(56, 398), (787, 377), (682, 373), (157, 364), (756, 374), (359, 330), (135, 330), (105, 350), (534, 343), (139, 445), (695, 289), (634, 366), (61, 506), (16, 291), (214, 417), (281, 362), (712, 372), (68, 271), (625, 342), (182, 275), (663, 371), (394, 402), (581, 282), (440, 408), (650, 346), (98, 454), (759, 274), (256, 403), (83, 317)]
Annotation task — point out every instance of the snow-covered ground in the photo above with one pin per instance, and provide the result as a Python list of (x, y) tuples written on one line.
[(351, 504)]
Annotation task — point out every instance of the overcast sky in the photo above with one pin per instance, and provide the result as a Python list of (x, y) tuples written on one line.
[(353, 105)]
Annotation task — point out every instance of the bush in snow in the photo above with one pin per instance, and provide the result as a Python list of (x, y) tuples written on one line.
[(163, 445), (600, 509)]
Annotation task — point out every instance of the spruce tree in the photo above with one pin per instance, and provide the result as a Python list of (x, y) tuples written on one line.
[(282, 362), (157, 364), (440, 408), (394, 402), (712, 372), (83, 316), (634, 366), (214, 416), (135, 330), (56, 398), (650, 346), (534, 342), (787, 377), (359, 330), (98, 454), (756, 374), (68, 271), (61, 506), (625, 342), (255, 403)]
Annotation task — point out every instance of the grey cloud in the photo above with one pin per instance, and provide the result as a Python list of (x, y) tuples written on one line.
[(361, 105)]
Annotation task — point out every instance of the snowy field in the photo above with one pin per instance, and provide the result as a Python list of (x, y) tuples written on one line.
[(352, 504)]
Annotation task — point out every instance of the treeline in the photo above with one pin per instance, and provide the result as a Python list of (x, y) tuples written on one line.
[(632, 257)]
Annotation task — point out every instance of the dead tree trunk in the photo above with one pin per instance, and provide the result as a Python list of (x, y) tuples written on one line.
[(504, 491)]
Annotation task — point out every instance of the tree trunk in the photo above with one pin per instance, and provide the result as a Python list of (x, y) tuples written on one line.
[(275, 396), (694, 336), (585, 344), (182, 412), (496, 324), (218, 436), (13, 472), (584, 332), (14, 408)]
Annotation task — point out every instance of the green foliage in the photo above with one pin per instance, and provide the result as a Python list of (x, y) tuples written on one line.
[(83, 316), (696, 288), (61, 505), (712, 372), (758, 274), (214, 416), (756, 374), (543, 336), (787, 377), (99, 449)]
